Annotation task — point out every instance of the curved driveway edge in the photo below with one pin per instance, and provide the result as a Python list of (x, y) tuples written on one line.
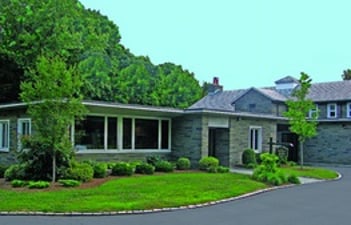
[(129, 212)]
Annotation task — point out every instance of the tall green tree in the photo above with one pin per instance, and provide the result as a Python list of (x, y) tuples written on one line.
[(298, 109), (346, 75), (54, 101)]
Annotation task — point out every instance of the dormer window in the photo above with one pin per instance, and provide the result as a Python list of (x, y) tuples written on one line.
[(332, 110), (348, 111)]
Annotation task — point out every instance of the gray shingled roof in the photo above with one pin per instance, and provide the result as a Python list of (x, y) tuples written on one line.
[(319, 92), (219, 101), (330, 91)]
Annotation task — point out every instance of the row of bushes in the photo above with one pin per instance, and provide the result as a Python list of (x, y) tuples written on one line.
[(250, 159)]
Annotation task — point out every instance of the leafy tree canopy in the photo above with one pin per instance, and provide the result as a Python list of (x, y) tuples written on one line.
[(86, 39), (346, 75)]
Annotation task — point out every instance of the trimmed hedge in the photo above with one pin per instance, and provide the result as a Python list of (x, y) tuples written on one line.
[(79, 171), (144, 168), (122, 169), (183, 163), (249, 158), (208, 163), (164, 166)]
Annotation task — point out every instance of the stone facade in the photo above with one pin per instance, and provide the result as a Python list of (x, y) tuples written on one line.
[(331, 145), (189, 138), (254, 102), (239, 136)]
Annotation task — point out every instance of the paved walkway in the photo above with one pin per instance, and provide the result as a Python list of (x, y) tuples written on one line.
[(323, 203), (303, 180)]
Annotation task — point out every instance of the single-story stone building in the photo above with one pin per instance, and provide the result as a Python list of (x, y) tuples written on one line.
[(222, 124)]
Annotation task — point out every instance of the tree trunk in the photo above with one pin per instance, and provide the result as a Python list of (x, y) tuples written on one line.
[(54, 167), (301, 154)]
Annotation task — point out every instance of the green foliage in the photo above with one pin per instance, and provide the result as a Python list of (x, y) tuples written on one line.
[(268, 171), (38, 184), (183, 163), (100, 170), (122, 169), (38, 157), (346, 75), (54, 88), (3, 168), (144, 168), (91, 41), (298, 109), (293, 179), (153, 159), (164, 166), (207, 162), (16, 171), (249, 158), (212, 169), (18, 183), (79, 171), (222, 169), (69, 183), (282, 153)]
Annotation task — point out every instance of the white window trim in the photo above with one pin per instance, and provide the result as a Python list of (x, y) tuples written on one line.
[(259, 144), (348, 110), (120, 135), (329, 111), (6, 149), (19, 130)]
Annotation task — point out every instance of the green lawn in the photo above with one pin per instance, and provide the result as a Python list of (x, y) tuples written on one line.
[(132, 193), (311, 172)]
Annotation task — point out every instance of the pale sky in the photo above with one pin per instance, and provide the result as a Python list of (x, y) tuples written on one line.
[(246, 43)]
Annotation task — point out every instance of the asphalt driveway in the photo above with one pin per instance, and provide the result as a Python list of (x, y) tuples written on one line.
[(325, 203)]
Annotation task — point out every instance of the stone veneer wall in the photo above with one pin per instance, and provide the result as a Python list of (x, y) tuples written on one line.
[(331, 145), (190, 138), (222, 146), (239, 136)]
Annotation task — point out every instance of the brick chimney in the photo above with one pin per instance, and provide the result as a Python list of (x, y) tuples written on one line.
[(214, 87)]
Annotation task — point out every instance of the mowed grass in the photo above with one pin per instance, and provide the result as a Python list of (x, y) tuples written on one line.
[(311, 172), (133, 193)]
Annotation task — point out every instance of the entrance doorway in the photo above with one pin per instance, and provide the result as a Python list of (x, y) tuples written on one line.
[(218, 144), (286, 136)]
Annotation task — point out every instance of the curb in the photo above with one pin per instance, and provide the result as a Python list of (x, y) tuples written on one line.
[(147, 211)]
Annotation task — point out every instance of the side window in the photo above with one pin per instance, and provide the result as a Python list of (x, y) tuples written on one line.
[(4, 135), (24, 128), (332, 110), (255, 138)]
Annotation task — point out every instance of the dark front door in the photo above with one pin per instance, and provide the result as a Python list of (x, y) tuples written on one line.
[(212, 142), (289, 137)]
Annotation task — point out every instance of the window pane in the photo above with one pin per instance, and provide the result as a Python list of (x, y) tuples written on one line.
[(112, 133), (4, 129), (146, 134), (89, 133), (165, 134), (127, 133)]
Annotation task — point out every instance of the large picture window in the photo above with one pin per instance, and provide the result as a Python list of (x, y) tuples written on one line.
[(4, 135), (89, 133), (121, 133), (255, 138), (146, 134)]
